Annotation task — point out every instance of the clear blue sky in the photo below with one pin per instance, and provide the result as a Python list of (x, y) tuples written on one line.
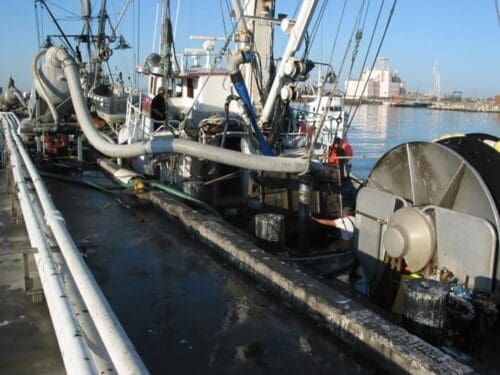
[(462, 35)]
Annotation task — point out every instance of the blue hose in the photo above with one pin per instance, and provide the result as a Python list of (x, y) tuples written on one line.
[(242, 91)]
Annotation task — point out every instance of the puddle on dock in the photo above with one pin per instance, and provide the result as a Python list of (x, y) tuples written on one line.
[(184, 308)]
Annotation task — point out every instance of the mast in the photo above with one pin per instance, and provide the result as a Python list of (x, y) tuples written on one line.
[(296, 36), (86, 37), (260, 24), (102, 51), (166, 41)]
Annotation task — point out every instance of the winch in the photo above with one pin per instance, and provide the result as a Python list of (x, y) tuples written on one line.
[(431, 205)]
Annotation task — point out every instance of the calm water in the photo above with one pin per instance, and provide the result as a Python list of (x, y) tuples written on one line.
[(378, 128)]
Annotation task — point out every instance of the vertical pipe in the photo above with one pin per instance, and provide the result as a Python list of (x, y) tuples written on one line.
[(79, 148), (305, 15)]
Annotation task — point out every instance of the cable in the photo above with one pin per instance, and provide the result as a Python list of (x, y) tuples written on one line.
[(315, 29), (498, 12), (64, 9), (330, 96), (37, 21), (366, 56), (373, 64), (359, 36), (223, 18)]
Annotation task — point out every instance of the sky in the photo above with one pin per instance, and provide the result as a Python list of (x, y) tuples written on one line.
[(462, 36)]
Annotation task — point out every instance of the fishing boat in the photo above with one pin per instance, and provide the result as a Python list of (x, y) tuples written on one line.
[(243, 167)]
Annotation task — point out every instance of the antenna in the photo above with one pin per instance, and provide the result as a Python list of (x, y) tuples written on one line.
[(436, 91)]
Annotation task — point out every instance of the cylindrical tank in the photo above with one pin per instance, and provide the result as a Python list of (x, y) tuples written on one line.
[(425, 308)]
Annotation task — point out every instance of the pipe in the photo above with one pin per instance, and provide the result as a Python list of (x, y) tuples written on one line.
[(43, 91), (118, 345), (166, 144), (300, 28), (121, 175), (74, 350)]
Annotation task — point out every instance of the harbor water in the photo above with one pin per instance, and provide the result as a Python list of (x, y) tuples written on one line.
[(378, 128)]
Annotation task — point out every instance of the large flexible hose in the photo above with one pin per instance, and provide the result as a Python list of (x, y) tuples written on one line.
[(42, 90), (165, 144)]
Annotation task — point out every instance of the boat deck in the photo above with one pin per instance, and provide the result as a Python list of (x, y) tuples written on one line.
[(184, 309)]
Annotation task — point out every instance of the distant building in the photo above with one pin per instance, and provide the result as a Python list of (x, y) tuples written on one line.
[(380, 83), (497, 100), (454, 95)]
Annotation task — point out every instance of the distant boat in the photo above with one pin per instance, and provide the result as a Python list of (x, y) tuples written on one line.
[(410, 104)]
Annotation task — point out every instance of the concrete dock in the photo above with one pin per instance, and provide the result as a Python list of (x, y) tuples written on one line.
[(27, 340)]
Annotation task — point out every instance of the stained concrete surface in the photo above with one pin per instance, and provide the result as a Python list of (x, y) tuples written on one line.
[(27, 340), (185, 309)]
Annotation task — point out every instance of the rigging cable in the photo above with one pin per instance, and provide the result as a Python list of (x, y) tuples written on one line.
[(314, 31), (223, 18), (373, 63), (359, 36), (63, 9), (330, 96), (366, 55), (498, 12), (37, 21)]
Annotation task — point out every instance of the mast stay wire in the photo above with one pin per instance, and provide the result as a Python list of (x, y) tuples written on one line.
[(366, 56), (63, 9), (359, 36), (330, 96), (391, 13), (223, 16), (314, 31), (37, 21)]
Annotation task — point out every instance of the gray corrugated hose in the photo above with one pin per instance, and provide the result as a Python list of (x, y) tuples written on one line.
[(165, 144)]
